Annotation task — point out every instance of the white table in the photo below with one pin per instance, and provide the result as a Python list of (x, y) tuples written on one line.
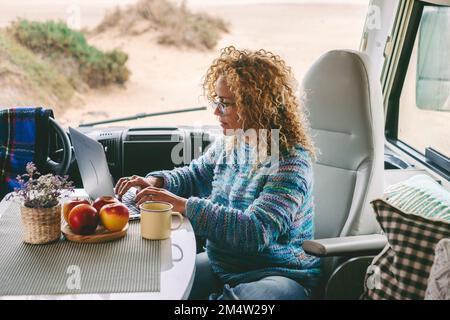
[(177, 268)]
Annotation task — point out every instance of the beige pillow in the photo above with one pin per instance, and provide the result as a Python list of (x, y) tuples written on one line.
[(439, 280)]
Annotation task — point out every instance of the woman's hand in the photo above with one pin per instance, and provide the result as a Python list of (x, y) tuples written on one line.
[(126, 183), (158, 194)]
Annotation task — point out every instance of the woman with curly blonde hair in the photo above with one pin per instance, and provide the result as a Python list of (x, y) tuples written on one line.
[(254, 210)]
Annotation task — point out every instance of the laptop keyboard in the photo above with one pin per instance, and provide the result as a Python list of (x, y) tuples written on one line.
[(128, 200)]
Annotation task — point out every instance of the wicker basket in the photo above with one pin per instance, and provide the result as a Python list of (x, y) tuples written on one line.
[(41, 225)]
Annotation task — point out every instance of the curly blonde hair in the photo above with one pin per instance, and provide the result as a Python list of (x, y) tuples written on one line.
[(264, 88)]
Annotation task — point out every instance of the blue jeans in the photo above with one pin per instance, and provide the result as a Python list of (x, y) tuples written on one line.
[(208, 286)]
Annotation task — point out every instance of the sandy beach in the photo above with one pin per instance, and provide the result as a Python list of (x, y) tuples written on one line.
[(166, 78)]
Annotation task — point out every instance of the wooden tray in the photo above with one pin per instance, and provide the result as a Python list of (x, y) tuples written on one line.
[(100, 235)]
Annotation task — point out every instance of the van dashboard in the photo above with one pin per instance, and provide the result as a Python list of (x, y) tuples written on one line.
[(139, 150)]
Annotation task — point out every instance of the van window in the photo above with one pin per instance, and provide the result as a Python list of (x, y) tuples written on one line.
[(433, 67), (165, 66), (425, 98)]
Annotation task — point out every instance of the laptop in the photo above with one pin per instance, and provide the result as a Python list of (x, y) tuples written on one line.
[(94, 171)]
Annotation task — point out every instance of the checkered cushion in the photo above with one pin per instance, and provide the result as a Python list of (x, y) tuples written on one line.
[(402, 269)]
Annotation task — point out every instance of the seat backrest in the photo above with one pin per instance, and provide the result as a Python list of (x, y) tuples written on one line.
[(345, 106)]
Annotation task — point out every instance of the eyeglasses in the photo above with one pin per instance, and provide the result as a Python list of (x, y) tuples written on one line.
[(221, 105)]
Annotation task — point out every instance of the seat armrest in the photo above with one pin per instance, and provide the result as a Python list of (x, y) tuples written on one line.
[(354, 245)]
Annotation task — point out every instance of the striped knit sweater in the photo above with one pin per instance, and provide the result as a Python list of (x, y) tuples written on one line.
[(254, 222)]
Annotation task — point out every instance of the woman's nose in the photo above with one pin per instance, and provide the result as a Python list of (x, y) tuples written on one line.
[(217, 111)]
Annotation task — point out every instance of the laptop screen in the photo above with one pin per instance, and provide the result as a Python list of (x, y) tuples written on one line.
[(91, 160)]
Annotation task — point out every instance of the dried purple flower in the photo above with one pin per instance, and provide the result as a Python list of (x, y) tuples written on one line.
[(41, 191)]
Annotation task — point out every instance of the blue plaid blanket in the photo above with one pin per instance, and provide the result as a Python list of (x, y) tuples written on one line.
[(23, 132)]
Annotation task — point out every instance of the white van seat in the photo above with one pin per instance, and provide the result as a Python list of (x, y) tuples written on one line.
[(345, 106)]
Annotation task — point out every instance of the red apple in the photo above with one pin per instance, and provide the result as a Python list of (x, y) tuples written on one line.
[(104, 200), (114, 216), (67, 206), (83, 219)]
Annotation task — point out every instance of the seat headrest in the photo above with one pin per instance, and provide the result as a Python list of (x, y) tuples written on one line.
[(341, 100)]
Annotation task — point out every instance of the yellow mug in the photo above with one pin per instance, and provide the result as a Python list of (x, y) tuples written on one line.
[(156, 220)]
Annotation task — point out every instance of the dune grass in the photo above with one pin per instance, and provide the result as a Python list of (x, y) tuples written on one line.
[(47, 63), (176, 25), (59, 43), (31, 75)]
